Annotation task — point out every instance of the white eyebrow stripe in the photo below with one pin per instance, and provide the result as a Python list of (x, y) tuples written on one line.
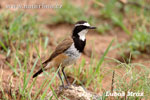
[(85, 24)]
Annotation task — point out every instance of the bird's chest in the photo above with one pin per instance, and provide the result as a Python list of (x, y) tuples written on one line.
[(73, 54)]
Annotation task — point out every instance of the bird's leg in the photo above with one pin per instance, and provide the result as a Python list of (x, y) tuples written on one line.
[(62, 86), (61, 79), (68, 83)]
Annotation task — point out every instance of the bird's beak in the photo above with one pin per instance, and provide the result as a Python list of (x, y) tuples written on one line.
[(92, 27)]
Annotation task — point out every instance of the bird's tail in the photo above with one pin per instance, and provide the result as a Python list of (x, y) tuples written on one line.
[(37, 73)]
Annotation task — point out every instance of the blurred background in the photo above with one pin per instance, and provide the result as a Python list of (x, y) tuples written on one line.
[(116, 57)]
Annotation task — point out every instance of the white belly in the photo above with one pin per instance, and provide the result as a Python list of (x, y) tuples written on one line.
[(73, 54)]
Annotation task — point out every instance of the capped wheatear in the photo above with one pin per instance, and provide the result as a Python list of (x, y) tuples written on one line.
[(68, 51)]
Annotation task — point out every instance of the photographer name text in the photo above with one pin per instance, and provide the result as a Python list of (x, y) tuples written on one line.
[(125, 94)]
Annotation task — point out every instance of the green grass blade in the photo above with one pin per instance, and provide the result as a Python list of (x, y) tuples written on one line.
[(54, 92), (3, 46), (97, 71), (30, 75), (44, 94), (13, 69), (41, 87)]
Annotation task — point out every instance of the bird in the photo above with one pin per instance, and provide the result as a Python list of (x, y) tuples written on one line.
[(68, 51)]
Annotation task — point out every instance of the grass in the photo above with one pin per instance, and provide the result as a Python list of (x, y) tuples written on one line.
[(135, 79), (134, 21), (23, 43), (19, 34), (111, 13), (140, 42), (71, 14)]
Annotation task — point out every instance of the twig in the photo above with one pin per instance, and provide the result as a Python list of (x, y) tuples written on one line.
[(125, 97), (112, 84)]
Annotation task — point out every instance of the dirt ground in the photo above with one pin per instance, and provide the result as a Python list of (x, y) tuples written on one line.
[(101, 42)]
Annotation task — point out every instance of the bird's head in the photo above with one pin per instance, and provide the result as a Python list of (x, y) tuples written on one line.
[(81, 28)]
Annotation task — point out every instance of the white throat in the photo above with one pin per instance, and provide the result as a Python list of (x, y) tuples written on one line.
[(82, 34)]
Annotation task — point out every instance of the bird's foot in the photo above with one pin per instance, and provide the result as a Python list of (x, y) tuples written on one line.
[(64, 87)]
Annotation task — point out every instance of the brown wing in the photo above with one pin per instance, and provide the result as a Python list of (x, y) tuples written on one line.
[(64, 45)]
